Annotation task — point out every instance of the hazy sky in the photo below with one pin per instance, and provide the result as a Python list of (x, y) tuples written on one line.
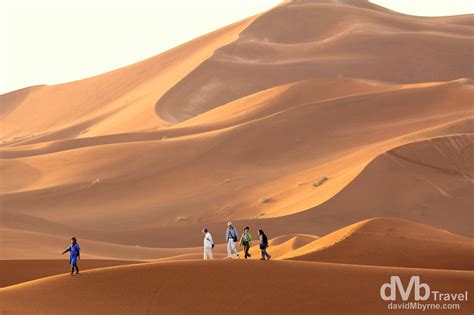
[(55, 41)]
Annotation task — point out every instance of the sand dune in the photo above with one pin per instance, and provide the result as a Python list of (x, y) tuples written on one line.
[(340, 119), (188, 138), (118, 101), (160, 178), (244, 110), (428, 182), (415, 165), (16, 244), (259, 106), (390, 242), (369, 195), (281, 245), (326, 39), (158, 288), (18, 271)]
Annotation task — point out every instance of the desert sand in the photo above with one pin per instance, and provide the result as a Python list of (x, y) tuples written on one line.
[(300, 287), (341, 128), (390, 242), (23, 270)]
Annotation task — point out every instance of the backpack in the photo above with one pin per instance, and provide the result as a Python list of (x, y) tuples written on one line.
[(233, 234)]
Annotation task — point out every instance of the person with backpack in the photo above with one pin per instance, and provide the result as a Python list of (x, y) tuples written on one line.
[(208, 244), (74, 254), (231, 237), (246, 241), (264, 245)]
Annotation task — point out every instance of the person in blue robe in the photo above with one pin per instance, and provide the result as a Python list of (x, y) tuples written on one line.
[(74, 254)]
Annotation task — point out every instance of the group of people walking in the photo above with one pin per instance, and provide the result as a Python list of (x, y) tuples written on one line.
[(231, 239)]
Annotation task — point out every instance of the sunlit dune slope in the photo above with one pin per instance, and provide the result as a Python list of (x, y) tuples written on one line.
[(325, 39), (158, 288), (222, 174), (15, 244), (245, 110), (281, 245), (17, 271), (429, 181), (119, 101), (304, 119), (412, 193), (390, 242)]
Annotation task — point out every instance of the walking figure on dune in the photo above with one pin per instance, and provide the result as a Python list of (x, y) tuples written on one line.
[(74, 253), (208, 244), (246, 241), (264, 245), (231, 237)]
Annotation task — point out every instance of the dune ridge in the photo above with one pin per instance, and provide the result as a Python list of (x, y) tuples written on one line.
[(366, 193), (326, 39), (341, 128), (153, 288), (19, 271), (315, 106), (77, 109), (390, 242), (162, 164)]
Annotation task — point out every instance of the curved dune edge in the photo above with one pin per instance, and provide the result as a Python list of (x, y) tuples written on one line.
[(280, 245), (327, 39), (248, 109), (390, 242), (118, 101), (326, 241), (379, 102), (376, 241), (25, 270), (429, 186), (13, 248), (368, 196), (438, 171), (178, 287), (35, 177), (20, 264)]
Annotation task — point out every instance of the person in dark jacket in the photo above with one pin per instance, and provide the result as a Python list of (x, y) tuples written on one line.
[(246, 241), (264, 245), (74, 254)]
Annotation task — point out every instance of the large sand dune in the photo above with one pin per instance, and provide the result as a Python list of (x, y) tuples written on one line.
[(437, 173), (347, 39), (314, 118), (326, 95), (222, 174), (118, 101)]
